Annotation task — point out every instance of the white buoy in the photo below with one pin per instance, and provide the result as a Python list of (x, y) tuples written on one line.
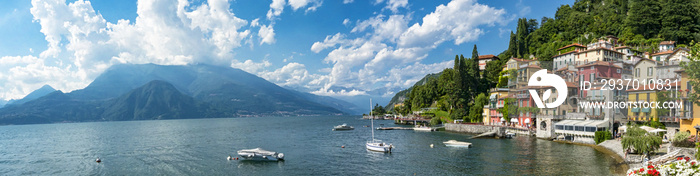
[(229, 157), (98, 160), (431, 145)]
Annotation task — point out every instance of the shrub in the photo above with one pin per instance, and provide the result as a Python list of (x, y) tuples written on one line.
[(684, 143), (680, 136), (601, 136)]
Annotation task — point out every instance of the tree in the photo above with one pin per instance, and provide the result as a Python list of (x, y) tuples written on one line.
[(477, 109), (644, 17), (680, 20), (693, 73), (492, 72), (640, 140)]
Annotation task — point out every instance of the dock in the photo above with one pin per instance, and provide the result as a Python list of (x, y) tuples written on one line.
[(394, 128)]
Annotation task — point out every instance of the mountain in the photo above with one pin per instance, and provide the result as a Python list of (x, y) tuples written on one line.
[(149, 91), (2, 103), (402, 95), (234, 91), (155, 100), (44, 90)]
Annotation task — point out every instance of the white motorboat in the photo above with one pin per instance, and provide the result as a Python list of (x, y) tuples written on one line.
[(510, 135), (454, 143), (343, 127), (258, 154), (423, 128), (374, 144)]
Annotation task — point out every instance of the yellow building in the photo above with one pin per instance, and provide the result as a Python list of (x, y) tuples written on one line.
[(690, 116), (639, 113)]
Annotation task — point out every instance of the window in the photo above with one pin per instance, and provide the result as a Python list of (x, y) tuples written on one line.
[(647, 97), (636, 72), (618, 70), (571, 128), (650, 71), (560, 127), (592, 77)]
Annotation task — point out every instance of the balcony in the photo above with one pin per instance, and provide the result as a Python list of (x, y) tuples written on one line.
[(522, 95), (500, 105), (523, 65), (646, 109), (669, 119), (596, 98)]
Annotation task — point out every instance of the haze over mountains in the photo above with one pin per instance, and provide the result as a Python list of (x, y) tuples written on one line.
[(149, 91)]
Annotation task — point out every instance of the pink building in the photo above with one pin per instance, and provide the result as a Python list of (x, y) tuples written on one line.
[(596, 71)]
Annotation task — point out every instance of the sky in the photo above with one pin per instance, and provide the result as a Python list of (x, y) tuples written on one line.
[(325, 47)]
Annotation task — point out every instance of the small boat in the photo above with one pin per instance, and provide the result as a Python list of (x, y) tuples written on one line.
[(454, 143), (343, 127), (258, 154), (374, 144), (423, 128), (510, 135), (379, 146)]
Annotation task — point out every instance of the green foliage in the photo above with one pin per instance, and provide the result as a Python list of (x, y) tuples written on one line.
[(654, 124), (680, 136), (601, 136), (477, 109), (681, 20), (680, 139), (693, 73), (378, 110), (697, 150), (644, 17), (492, 73), (509, 108), (640, 140)]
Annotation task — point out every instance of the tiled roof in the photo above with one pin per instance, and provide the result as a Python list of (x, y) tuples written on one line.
[(662, 53), (667, 43), (575, 44), (490, 56)]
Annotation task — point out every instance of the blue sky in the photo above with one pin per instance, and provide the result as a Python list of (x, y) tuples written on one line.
[(335, 48)]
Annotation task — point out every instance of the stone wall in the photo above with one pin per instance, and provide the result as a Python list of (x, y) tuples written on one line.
[(469, 128)]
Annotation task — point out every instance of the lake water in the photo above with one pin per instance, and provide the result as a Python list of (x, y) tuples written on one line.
[(200, 147)]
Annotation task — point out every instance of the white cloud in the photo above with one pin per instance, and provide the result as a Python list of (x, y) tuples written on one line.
[(394, 5), (291, 74), (82, 44), (389, 52), (459, 20), (313, 4), (267, 34), (276, 8), (348, 1), (251, 66), (346, 21)]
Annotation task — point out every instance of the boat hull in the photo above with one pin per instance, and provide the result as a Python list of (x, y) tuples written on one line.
[(376, 147)]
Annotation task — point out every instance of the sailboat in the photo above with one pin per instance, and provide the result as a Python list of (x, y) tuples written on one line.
[(374, 144)]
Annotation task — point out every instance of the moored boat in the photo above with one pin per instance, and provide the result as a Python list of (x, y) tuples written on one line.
[(258, 154), (374, 144), (455, 143), (423, 128), (343, 127)]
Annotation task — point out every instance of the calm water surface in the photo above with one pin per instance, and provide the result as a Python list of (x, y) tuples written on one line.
[(200, 147)]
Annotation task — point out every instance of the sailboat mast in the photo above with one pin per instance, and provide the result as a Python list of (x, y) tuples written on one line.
[(372, 118)]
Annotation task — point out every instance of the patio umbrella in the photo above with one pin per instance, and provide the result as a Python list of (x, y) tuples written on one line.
[(648, 129), (657, 130), (622, 129)]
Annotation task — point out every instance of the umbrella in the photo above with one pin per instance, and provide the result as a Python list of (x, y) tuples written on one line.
[(649, 129), (657, 130)]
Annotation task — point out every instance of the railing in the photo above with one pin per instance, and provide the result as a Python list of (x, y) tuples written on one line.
[(522, 95), (499, 105), (669, 119), (523, 65), (596, 98), (559, 117)]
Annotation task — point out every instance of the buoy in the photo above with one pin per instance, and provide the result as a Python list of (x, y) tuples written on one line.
[(98, 160), (342, 146), (431, 145), (236, 158), (229, 158)]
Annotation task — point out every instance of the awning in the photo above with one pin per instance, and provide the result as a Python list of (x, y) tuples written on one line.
[(527, 121), (514, 120)]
